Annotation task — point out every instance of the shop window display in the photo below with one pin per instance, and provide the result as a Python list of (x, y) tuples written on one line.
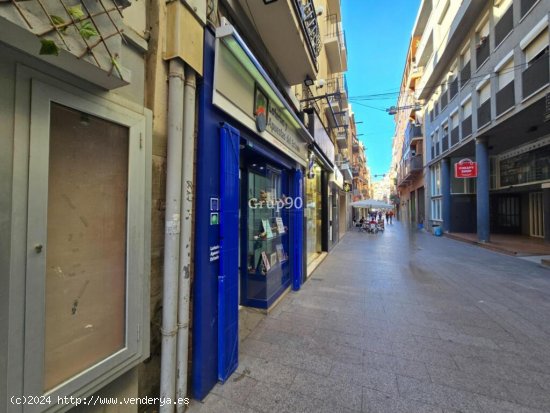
[(267, 272)]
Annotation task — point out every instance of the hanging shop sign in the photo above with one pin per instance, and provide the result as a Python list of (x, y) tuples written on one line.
[(347, 187), (466, 168), (261, 103)]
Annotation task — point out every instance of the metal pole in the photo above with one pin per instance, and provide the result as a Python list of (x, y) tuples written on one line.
[(171, 235), (187, 191)]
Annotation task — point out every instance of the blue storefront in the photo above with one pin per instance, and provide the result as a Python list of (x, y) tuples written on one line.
[(249, 232)]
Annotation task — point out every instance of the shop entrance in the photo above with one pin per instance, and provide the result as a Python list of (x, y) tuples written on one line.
[(506, 214)]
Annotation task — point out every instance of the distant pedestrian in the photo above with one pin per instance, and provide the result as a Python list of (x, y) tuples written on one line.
[(391, 217), (387, 217)]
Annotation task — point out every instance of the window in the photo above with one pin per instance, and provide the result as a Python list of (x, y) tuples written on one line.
[(436, 180), (467, 109), (454, 120), (537, 48), (506, 74), (484, 93), (482, 44), (535, 76), (87, 205), (504, 20), (436, 209), (435, 184), (465, 71), (467, 127), (466, 56), (505, 96), (484, 102)]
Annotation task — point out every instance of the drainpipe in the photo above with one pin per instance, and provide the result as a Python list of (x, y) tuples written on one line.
[(172, 234), (187, 188)]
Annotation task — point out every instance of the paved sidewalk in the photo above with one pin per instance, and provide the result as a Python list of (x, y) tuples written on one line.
[(401, 322)]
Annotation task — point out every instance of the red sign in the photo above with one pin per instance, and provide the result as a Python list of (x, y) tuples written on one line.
[(466, 168)]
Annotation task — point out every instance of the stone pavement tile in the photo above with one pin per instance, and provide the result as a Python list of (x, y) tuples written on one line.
[(302, 359), (522, 360), (401, 366), (337, 352), (297, 319), (469, 382), (329, 389), (216, 404), (497, 335), (269, 398), (280, 338), (422, 354), (377, 379), (378, 344), (376, 402), (500, 371), (438, 395), (268, 371), (490, 405), (257, 348), (532, 396), (467, 339), (295, 327), (236, 388), (323, 335)]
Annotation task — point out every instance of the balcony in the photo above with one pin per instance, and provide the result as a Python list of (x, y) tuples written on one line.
[(342, 140), (290, 31), (526, 5), (337, 86), (455, 136), (536, 75), (465, 74), (506, 98), (484, 114), (467, 127), (335, 45), (504, 25), (482, 52), (355, 145), (410, 169), (345, 169), (416, 73), (335, 8), (413, 133), (425, 48)]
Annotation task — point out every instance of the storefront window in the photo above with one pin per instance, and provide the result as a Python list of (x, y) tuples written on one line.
[(267, 268), (314, 214), (532, 166)]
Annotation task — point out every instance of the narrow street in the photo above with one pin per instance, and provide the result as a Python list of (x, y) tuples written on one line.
[(400, 322)]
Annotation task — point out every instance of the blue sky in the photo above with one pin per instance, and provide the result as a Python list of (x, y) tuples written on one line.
[(377, 36)]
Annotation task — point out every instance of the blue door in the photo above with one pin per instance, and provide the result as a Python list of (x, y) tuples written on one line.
[(228, 295)]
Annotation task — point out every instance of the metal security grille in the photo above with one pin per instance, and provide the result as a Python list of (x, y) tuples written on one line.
[(536, 215)]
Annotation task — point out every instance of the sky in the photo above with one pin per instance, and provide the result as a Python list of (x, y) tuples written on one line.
[(377, 36)]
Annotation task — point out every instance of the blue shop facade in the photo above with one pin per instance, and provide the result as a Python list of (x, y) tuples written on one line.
[(252, 159)]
